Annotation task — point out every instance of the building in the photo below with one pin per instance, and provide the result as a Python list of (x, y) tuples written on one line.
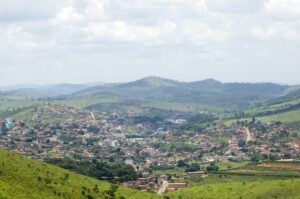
[(115, 143), (2, 124), (197, 174), (9, 123), (176, 186)]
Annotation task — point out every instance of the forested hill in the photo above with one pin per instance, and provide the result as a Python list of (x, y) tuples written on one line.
[(294, 95), (152, 90), (207, 92)]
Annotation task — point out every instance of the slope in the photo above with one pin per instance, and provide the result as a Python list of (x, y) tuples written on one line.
[(287, 112), (288, 189), (294, 95), (207, 92), (22, 178)]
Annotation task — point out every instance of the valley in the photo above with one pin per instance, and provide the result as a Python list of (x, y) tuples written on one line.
[(171, 139)]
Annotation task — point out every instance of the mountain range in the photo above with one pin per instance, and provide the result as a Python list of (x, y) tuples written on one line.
[(155, 89)]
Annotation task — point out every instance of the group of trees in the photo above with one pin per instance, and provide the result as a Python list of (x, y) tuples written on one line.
[(98, 169), (196, 167), (188, 167), (212, 167)]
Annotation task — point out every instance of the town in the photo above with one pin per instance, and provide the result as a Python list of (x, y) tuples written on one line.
[(150, 147)]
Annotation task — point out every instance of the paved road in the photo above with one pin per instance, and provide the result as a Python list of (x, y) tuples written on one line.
[(248, 135), (92, 115), (163, 188)]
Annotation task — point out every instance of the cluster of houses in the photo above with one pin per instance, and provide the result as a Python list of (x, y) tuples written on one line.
[(143, 145), (163, 183), (6, 124)]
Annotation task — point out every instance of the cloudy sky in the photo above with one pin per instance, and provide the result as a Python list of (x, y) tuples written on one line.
[(54, 41)]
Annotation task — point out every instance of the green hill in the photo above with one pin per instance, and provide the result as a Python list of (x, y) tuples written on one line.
[(287, 112), (22, 178), (293, 95), (206, 93), (290, 118), (149, 92)]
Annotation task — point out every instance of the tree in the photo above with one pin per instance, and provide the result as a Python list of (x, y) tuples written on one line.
[(212, 167), (193, 167), (181, 163), (257, 157), (241, 143)]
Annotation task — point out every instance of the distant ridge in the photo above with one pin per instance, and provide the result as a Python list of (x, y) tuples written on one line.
[(294, 95), (207, 92), (151, 81), (156, 89)]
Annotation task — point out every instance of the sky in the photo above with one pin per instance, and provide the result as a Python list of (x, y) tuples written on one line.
[(77, 41)]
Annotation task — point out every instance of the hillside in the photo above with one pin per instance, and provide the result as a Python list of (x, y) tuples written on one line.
[(294, 95), (288, 189), (289, 118), (287, 112), (207, 92), (22, 178), (151, 82), (47, 114), (44, 91)]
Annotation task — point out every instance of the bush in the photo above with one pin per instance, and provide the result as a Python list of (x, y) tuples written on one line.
[(212, 167), (193, 167)]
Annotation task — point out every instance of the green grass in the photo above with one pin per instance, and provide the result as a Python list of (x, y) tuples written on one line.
[(244, 172), (192, 107), (46, 116), (22, 178), (273, 169), (290, 118), (288, 189), (272, 107), (15, 103), (88, 101), (220, 138)]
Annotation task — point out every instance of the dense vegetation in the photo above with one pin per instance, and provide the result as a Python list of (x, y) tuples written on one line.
[(98, 169)]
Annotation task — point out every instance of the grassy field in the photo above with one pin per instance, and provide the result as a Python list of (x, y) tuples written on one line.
[(288, 189), (88, 101), (182, 106), (22, 178), (275, 169), (272, 107), (15, 103), (290, 118), (281, 112)]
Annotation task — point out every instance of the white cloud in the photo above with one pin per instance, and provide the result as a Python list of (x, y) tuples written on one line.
[(68, 15), (192, 39), (122, 31), (283, 7), (20, 10), (235, 6), (276, 31)]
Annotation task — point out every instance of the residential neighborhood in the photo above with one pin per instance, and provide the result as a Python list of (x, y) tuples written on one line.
[(146, 146)]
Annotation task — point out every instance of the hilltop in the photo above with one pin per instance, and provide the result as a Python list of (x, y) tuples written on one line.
[(152, 92), (22, 178)]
